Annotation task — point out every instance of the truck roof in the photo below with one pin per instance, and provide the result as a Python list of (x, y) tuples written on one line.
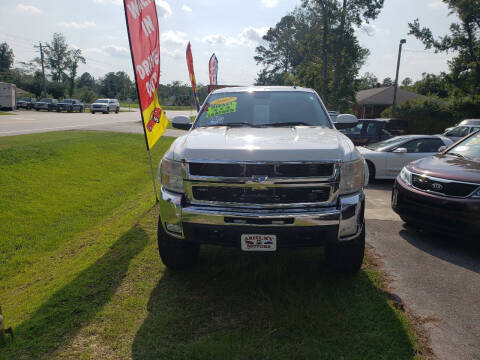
[(262, 88)]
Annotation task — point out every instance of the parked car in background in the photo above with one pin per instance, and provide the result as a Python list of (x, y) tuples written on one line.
[(470, 122), (385, 159), (458, 132), (105, 106), (25, 103), (70, 105), (46, 104), (442, 191), (368, 131)]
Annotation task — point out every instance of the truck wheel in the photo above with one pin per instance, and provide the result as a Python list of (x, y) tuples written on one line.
[(346, 257), (37, 109), (176, 254), (117, 110), (93, 112)]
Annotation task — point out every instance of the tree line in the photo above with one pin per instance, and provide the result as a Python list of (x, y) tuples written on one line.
[(62, 80), (316, 46)]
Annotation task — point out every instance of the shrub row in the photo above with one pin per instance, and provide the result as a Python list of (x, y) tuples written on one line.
[(432, 116)]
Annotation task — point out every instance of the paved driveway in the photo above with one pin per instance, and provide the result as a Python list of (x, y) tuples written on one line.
[(438, 278)]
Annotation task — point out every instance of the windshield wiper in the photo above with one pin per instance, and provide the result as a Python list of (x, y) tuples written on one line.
[(460, 155), (240, 124), (456, 154), (293, 123)]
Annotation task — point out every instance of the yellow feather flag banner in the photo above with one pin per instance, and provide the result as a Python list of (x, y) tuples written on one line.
[(144, 38)]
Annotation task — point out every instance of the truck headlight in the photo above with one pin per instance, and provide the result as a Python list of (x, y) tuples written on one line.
[(171, 175), (352, 176), (406, 176)]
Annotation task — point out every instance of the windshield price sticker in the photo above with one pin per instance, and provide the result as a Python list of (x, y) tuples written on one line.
[(222, 106)]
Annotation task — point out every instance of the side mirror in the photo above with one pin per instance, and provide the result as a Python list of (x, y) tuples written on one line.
[(400, 150), (345, 121), (442, 148), (181, 122)]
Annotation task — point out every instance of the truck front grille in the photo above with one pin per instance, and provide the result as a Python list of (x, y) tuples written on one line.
[(271, 170), (273, 195)]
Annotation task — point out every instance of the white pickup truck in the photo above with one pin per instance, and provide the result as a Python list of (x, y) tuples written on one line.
[(263, 169)]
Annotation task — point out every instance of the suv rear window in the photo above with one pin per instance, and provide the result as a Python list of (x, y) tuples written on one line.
[(263, 108)]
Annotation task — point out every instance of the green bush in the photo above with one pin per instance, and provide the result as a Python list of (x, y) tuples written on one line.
[(432, 115)]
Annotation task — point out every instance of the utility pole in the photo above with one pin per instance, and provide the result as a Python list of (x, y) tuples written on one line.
[(43, 70), (403, 41)]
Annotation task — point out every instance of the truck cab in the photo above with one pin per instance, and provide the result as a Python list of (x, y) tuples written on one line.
[(263, 169)]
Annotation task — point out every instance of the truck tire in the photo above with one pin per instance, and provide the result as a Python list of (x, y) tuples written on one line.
[(346, 257), (371, 171), (176, 254), (117, 110)]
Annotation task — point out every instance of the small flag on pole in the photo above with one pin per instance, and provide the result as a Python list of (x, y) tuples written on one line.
[(213, 70)]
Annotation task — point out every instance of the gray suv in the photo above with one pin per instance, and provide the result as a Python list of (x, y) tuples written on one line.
[(105, 106)]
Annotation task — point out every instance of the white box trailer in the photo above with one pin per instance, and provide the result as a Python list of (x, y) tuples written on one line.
[(7, 96)]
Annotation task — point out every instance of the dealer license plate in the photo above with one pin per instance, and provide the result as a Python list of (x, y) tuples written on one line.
[(255, 242)]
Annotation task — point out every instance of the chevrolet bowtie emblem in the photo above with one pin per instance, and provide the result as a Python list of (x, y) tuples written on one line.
[(259, 181)]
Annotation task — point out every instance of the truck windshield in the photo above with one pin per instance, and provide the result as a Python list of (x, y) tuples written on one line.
[(263, 109), (102, 101)]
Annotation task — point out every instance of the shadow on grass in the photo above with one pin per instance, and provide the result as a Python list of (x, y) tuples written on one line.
[(282, 306), (60, 317)]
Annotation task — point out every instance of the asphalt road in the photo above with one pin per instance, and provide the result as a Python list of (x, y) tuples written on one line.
[(29, 122), (437, 278)]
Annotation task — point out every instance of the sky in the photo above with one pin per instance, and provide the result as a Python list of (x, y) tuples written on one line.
[(231, 29)]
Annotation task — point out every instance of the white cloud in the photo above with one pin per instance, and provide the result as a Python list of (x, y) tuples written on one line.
[(112, 50), (437, 4), (175, 54), (252, 35), (174, 37), (115, 2), (116, 51), (28, 9), (270, 3), (249, 36), (163, 9), (186, 8), (77, 25)]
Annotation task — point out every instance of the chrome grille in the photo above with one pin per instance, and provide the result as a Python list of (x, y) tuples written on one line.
[(287, 170), (274, 184)]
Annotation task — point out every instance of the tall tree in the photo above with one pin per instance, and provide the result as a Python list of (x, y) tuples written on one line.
[(316, 46), (352, 13), (387, 82), (464, 39), (281, 55), (86, 80), (407, 82), (6, 57), (57, 57), (74, 58)]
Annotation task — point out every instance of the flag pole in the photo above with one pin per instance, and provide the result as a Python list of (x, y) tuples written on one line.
[(140, 106)]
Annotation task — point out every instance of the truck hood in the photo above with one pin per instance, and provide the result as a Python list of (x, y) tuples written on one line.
[(300, 143)]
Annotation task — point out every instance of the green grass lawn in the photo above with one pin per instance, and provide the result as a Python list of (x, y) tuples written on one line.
[(80, 276), (6, 113)]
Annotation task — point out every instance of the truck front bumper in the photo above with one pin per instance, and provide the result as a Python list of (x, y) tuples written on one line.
[(205, 224)]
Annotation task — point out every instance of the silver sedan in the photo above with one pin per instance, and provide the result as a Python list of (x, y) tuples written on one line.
[(385, 159)]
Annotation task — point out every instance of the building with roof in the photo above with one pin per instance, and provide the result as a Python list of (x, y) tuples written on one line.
[(371, 102)]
